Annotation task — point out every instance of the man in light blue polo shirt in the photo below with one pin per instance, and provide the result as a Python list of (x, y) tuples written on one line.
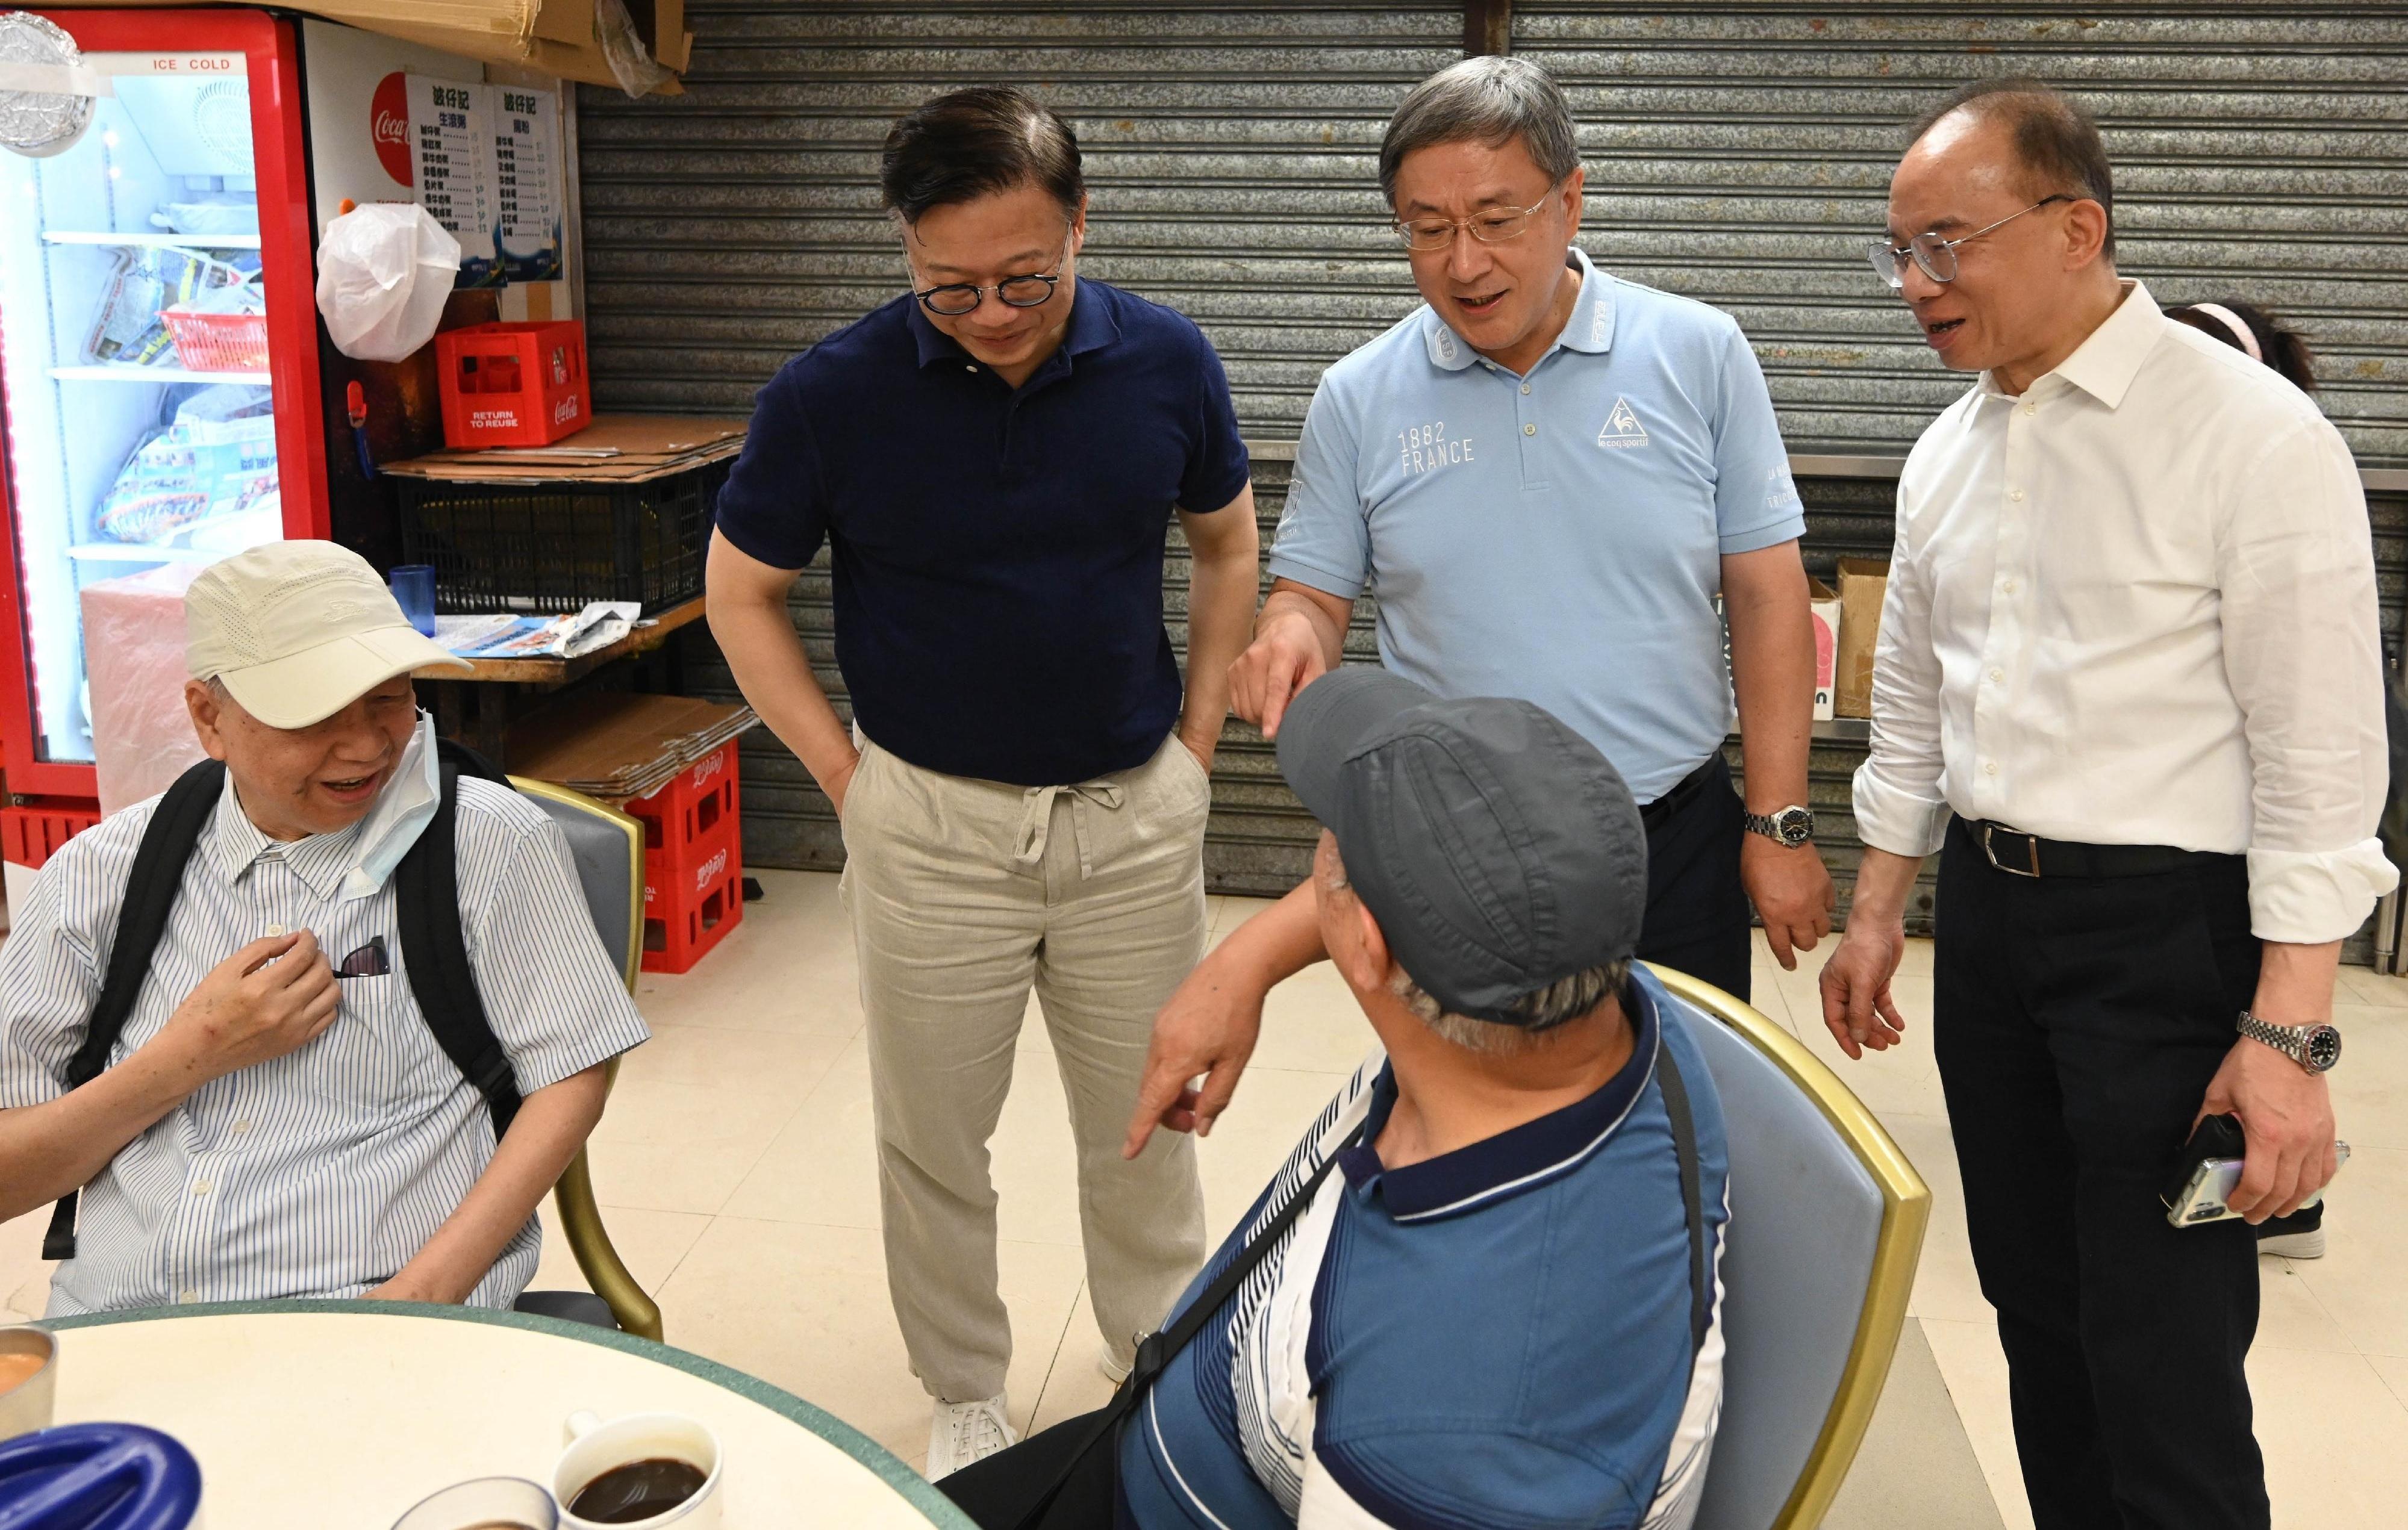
[(1546, 474)]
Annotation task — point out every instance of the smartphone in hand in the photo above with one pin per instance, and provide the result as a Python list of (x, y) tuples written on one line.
[(2209, 1171)]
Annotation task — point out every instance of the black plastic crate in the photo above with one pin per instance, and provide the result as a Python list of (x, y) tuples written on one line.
[(554, 547)]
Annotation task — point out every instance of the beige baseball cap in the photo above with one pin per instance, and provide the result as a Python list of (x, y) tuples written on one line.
[(297, 631)]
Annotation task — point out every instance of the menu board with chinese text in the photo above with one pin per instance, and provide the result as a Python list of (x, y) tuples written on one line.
[(452, 135), (527, 182)]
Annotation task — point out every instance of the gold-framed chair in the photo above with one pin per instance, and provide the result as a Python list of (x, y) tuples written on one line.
[(609, 849), (1826, 1222)]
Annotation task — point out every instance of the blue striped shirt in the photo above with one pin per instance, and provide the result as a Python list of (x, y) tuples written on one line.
[(321, 1172)]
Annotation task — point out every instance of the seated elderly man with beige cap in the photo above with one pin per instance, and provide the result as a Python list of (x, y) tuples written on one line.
[(276, 1118)]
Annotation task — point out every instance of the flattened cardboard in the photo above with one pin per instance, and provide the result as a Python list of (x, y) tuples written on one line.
[(618, 745), (563, 20), (614, 449)]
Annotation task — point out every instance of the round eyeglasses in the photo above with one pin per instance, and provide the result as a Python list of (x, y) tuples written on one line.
[(1934, 256), (1497, 225), (957, 298)]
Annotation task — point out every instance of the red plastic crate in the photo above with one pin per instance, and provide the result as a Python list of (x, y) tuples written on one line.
[(693, 862), (31, 835), (514, 384)]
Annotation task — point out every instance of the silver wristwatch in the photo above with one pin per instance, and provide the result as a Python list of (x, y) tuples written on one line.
[(1792, 826), (2316, 1048)]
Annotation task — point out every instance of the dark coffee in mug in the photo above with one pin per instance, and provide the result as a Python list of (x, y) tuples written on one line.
[(636, 1491)]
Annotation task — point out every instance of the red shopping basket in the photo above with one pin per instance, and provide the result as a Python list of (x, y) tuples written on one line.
[(218, 342)]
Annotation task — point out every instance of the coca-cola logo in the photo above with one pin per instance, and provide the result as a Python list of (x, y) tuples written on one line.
[(389, 127)]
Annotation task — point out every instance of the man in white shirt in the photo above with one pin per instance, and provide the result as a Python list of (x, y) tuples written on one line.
[(2131, 642)]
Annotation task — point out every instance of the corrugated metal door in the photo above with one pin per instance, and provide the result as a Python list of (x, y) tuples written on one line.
[(1230, 155), (1734, 153)]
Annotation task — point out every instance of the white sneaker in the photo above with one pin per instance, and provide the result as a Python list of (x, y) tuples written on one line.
[(1115, 1370), (961, 1433), (2307, 1245)]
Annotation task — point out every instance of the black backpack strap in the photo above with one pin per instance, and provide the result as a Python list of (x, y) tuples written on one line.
[(151, 889), (426, 908), (1684, 1144), (450, 751)]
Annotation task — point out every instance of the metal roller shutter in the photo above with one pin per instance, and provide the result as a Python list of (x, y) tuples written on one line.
[(1735, 152), (1230, 154)]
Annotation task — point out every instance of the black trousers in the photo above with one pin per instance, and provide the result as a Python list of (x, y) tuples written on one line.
[(1698, 915), (2077, 1023)]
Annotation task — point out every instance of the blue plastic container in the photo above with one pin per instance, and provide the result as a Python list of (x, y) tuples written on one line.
[(98, 1476)]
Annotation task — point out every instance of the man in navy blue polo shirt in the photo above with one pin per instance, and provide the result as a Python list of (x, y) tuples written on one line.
[(994, 460), (1547, 474)]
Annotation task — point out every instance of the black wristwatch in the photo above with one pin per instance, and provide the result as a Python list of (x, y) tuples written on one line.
[(1792, 826), (2316, 1048)]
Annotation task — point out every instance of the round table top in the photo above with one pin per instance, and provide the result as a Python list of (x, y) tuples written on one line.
[(305, 1415)]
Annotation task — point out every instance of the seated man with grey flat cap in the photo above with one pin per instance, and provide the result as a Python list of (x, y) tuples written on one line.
[(1481, 1291), (329, 1016)]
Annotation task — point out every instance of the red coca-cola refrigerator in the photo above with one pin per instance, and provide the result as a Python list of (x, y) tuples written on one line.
[(167, 395)]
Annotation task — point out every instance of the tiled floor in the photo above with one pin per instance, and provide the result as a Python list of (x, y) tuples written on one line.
[(735, 1172)]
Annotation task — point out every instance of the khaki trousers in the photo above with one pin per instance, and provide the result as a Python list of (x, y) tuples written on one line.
[(963, 893)]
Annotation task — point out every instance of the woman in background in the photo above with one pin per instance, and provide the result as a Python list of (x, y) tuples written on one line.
[(2260, 336)]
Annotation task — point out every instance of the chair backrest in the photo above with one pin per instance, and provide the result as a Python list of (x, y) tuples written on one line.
[(609, 847), (1826, 1219)]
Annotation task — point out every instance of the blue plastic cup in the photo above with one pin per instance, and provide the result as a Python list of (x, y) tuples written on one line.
[(413, 585)]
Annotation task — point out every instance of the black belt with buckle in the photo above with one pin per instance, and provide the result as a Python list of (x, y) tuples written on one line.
[(2021, 854), (1653, 815)]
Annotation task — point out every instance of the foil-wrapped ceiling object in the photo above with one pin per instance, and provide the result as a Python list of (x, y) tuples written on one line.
[(46, 91)]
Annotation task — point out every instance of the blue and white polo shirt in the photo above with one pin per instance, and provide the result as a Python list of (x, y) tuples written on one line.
[(1556, 536), (1494, 1337)]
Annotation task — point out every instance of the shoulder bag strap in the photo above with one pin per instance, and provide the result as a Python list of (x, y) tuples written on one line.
[(427, 912), (1155, 1351), (151, 889), (1684, 1144)]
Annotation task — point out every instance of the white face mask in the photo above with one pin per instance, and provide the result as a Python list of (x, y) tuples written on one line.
[(400, 815)]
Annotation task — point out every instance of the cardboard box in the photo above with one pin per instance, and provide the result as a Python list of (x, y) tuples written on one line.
[(1824, 605), (1863, 584), (555, 36)]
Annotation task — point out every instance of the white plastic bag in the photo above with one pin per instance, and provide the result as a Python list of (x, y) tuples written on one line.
[(383, 272), (622, 50)]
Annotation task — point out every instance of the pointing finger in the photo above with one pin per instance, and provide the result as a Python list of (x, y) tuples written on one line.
[(1277, 690), (1155, 1094)]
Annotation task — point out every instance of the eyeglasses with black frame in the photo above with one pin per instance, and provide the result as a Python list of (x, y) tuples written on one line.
[(1497, 225), (956, 299), (1935, 256)]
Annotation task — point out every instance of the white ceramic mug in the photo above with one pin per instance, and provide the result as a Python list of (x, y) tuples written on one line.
[(27, 1406), (595, 1447), (486, 1501)]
